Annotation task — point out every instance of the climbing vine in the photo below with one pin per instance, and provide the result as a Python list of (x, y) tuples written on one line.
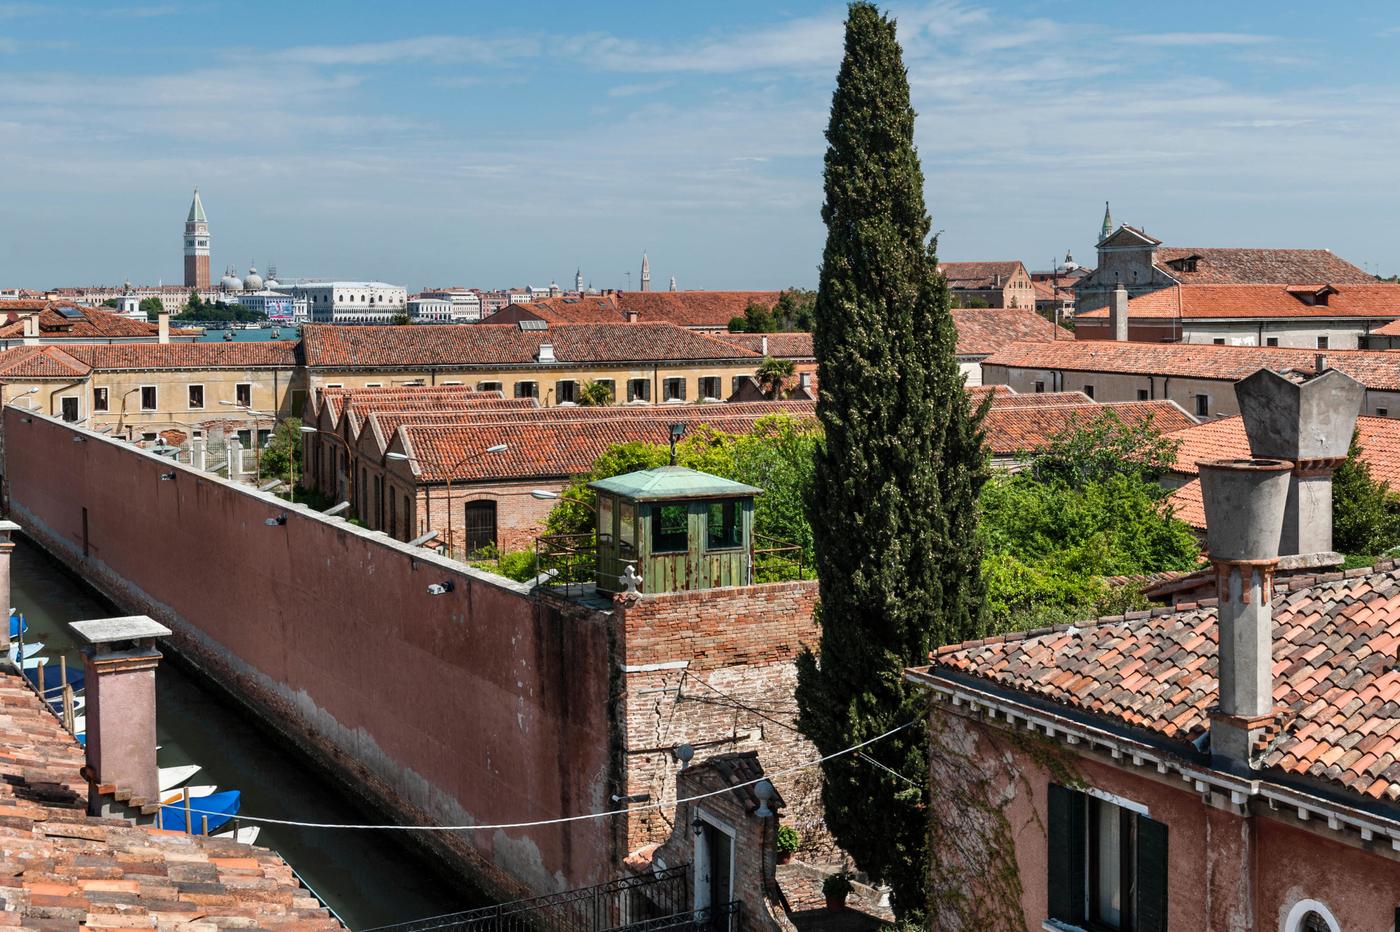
[(975, 881)]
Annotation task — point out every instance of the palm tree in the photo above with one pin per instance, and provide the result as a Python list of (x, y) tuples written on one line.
[(594, 394), (773, 373)]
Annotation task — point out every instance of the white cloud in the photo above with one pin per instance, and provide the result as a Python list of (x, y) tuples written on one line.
[(1188, 39)]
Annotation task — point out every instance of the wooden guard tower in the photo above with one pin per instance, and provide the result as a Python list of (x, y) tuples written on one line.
[(679, 528)]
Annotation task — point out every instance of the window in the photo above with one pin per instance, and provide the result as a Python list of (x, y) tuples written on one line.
[(148, 397), (481, 526), (1142, 394), (527, 389), (150, 437), (605, 519), (374, 385), (1310, 916), (673, 390), (488, 386), (723, 523), (1322, 343), (566, 390), (626, 529), (610, 385), (709, 387), (245, 437), (196, 396), (243, 394), (1107, 863), (1382, 412), (69, 407), (1039, 388), (1271, 341), (1202, 406), (99, 399), (1089, 390), (638, 390), (1219, 341), (670, 528)]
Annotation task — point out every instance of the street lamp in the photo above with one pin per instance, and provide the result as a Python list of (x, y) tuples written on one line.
[(349, 466), (405, 458)]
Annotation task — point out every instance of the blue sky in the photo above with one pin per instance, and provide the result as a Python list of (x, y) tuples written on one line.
[(495, 144)]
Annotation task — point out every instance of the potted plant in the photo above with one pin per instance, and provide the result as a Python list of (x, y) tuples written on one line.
[(836, 887), (788, 843)]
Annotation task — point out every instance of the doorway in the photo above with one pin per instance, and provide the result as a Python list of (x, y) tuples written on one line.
[(714, 872)]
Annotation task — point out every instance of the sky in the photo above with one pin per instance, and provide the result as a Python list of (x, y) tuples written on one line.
[(496, 144)]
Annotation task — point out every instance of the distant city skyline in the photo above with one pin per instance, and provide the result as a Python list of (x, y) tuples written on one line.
[(434, 144)]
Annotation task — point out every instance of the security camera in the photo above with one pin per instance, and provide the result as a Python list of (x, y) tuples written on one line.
[(441, 588)]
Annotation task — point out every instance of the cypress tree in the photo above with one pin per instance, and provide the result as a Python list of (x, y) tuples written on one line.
[(896, 482)]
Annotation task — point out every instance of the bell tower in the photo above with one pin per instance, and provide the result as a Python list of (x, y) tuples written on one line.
[(196, 246)]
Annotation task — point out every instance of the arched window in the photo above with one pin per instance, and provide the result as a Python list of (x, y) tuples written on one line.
[(481, 526), (1310, 916)]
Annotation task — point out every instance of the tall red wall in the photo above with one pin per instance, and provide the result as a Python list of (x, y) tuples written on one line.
[(483, 705)]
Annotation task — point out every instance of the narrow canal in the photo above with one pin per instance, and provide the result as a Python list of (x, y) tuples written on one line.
[(368, 878)]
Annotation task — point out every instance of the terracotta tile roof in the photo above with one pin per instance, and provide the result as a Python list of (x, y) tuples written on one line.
[(384, 424), (1018, 428), (1004, 397), (984, 330), (272, 354), (352, 407), (974, 275), (1336, 681), (797, 346), (40, 362), (708, 309), (1265, 266), (93, 322), (1377, 370), (1199, 302), (338, 398), (494, 345), (547, 445), (61, 868), (1377, 437), (1391, 329), (586, 309)]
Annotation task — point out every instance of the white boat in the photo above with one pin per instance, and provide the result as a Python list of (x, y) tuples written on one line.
[(80, 724), (175, 797), (171, 777), (244, 836), (30, 649)]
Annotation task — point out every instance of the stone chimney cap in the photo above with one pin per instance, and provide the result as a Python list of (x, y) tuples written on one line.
[(9, 527), (125, 628)]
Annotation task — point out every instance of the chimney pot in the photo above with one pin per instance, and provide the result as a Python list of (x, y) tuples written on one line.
[(1118, 314), (763, 344), (163, 326), (1319, 364)]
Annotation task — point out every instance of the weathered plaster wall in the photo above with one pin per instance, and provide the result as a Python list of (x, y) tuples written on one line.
[(483, 705)]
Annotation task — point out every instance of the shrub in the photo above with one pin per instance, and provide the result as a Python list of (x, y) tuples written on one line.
[(788, 839)]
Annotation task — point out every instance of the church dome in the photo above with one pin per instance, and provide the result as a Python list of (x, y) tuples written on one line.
[(231, 282), (252, 281), (272, 284)]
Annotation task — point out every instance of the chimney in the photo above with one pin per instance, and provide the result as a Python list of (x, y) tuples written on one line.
[(7, 547), (546, 353), (630, 316), (1244, 502), (1118, 313), (31, 330), (763, 344), (1319, 364), (119, 668), (163, 323), (1309, 422)]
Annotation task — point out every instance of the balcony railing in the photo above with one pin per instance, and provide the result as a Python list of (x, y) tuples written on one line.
[(711, 919)]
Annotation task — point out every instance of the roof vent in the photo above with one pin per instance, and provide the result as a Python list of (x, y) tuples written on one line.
[(546, 353)]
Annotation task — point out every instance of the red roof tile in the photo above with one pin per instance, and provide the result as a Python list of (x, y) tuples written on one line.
[(1334, 673), (1374, 369), (92, 323), (1020, 428), (708, 309), (796, 346), (1202, 302), (975, 275), (494, 345), (984, 330), (272, 354), (41, 362), (1266, 266)]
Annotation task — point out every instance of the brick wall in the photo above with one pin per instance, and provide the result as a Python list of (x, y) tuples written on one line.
[(715, 669), (483, 705)]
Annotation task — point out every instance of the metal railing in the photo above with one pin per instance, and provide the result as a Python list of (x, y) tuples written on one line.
[(723, 918), (777, 560), (568, 558), (615, 905)]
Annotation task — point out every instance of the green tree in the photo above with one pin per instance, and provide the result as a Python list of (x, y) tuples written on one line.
[(151, 307), (283, 448), (738, 325), (401, 319), (773, 373), (1365, 515), (795, 309), (594, 394), (110, 302), (195, 302), (893, 505), (759, 319)]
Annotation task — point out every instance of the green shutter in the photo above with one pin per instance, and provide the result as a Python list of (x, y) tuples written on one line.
[(1065, 857), (1151, 875)]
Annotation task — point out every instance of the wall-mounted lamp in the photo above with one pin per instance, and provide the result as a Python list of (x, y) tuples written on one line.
[(698, 827), (79, 439), (442, 588), (167, 477), (683, 753), (277, 521), (765, 792)]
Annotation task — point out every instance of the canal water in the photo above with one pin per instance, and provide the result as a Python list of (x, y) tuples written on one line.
[(368, 878), (249, 336)]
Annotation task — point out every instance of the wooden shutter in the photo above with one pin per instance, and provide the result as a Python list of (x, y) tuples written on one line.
[(1151, 875), (1065, 857)]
